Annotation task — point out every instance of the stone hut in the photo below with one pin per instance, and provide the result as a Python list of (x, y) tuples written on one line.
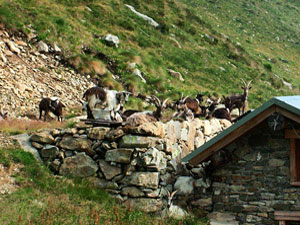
[(255, 166)]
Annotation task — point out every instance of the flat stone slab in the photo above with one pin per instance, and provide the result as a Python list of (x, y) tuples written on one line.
[(23, 140)]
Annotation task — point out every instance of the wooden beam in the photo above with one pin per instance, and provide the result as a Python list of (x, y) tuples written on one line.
[(232, 136), (288, 114), (293, 173), (292, 133), (283, 223)]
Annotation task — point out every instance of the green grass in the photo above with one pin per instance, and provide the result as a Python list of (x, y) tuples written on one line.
[(221, 41), (43, 198)]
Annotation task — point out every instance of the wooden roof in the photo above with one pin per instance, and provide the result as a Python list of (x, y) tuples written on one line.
[(288, 106)]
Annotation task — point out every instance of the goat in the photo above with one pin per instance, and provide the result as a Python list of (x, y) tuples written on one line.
[(51, 105), (238, 100), (184, 113), (173, 211), (148, 116), (219, 111), (109, 100), (192, 104), (3, 116)]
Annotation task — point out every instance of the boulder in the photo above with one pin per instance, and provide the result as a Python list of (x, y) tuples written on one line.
[(75, 144), (42, 137), (42, 47), (151, 129), (120, 155), (102, 183), (79, 165), (176, 74), (112, 40), (132, 192), (97, 133), (142, 179), (154, 159), (148, 205), (135, 141), (108, 170), (49, 152)]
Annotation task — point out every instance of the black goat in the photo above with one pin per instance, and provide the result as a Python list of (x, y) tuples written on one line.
[(51, 105)]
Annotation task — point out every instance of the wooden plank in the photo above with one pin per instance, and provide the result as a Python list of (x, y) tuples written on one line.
[(287, 213), (287, 218), (297, 160), (293, 174), (291, 133), (250, 124), (288, 114), (295, 183)]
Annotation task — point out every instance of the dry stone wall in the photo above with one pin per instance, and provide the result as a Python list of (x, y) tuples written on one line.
[(136, 165)]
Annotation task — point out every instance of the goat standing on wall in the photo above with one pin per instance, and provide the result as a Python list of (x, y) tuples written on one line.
[(238, 101), (53, 105), (109, 100)]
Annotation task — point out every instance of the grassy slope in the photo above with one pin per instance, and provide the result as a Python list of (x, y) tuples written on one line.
[(45, 199), (246, 41)]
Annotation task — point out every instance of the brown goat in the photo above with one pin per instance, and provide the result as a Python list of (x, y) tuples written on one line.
[(238, 100), (51, 105)]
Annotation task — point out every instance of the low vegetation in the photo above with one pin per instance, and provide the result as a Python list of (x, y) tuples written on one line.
[(42, 198), (211, 43)]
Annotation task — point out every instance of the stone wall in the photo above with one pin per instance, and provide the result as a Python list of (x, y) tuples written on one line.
[(136, 165), (255, 179)]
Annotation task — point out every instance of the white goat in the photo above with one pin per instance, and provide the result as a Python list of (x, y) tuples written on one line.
[(173, 211), (110, 101)]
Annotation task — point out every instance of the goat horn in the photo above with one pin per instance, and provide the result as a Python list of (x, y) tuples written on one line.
[(185, 98), (249, 83), (243, 81), (173, 193), (156, 99), (165, 102)]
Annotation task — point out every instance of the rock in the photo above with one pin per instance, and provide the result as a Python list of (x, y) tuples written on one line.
[(49, 152), (13, 47), (150, 129), (112, 40), (42, 47), (97, 133), (154, 159), (132, 192), (120, 155), (151, 21), (199, 139), (79, 165), (191, 137), (215, 126), (25, 143), (42, 137), (134, 141), (139, 74), (142, 179), (176, 74), (184, 185), (148, 205), (102, 183), (207, 128), (37, 145), (76, 144), (114, 134), (225, 123), (56, 48), (108, 170)]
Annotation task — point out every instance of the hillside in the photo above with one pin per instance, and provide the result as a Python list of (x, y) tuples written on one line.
[(213, 44)]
